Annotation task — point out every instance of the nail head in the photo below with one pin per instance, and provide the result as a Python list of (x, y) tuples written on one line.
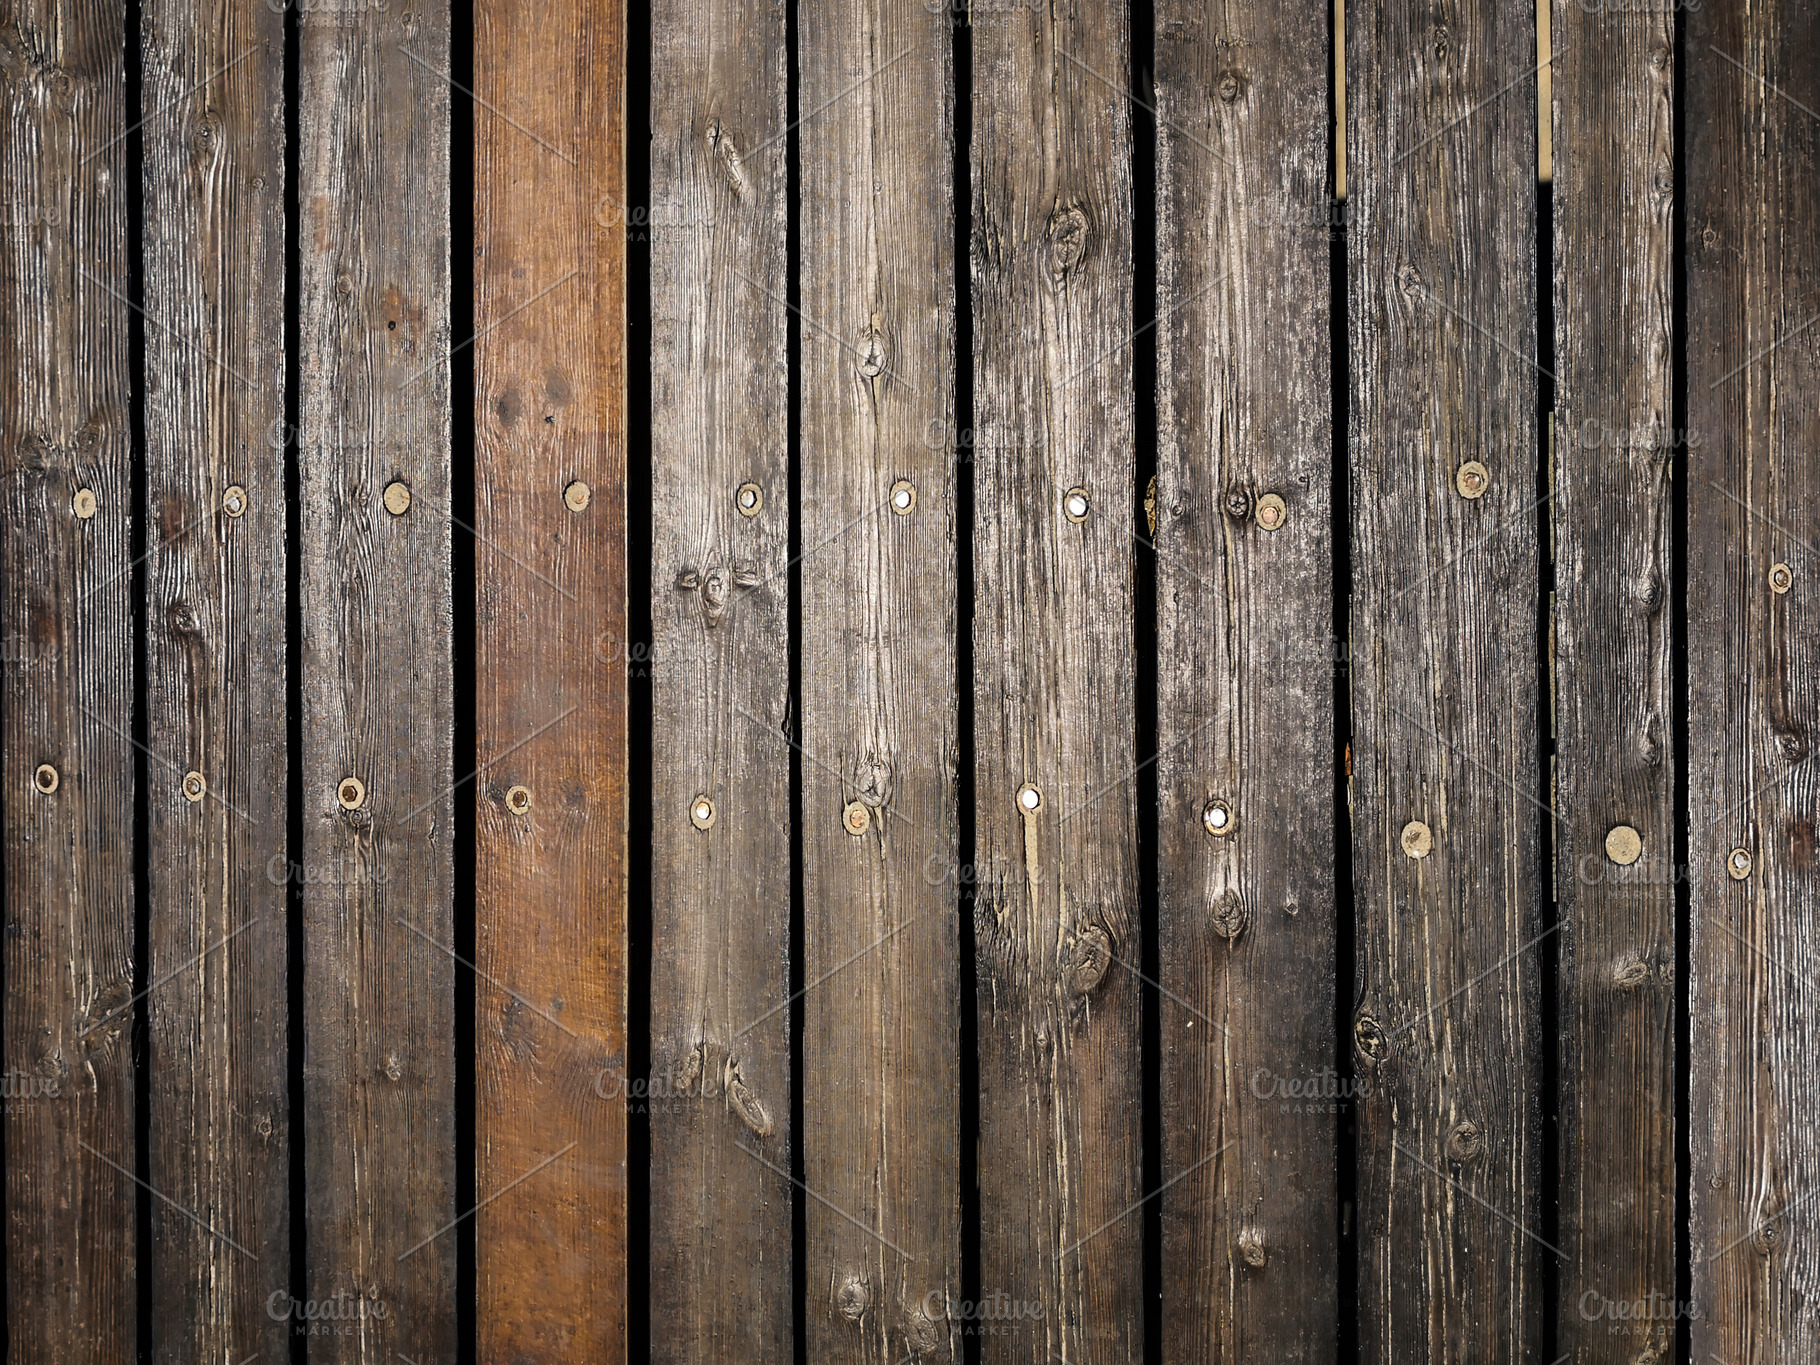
[(84, 503), (577, 496), (1076, 504), (903, 497), (1472, 480), (518, 800), (234, 500), (1623, 845), (194, 787), (1272, 512), (1781, 578), (856, 819), (397, 498), (351, 792), (701, 813), (46, 779), (1738, 864), (1029, 799), (1418, 840), (1218, 820)]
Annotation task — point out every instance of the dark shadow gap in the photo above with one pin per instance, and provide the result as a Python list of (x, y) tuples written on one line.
[(1680, 468), (793, 248), (1549, 961)]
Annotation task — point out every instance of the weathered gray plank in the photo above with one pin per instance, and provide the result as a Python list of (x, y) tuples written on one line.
[(379, 1061), (66, 620), (550, 560), (1053, 680), (1613, 692), (720, 917), (881, 1076), (1441, 297), (1753, 187), (1245, 676), (215, 686)]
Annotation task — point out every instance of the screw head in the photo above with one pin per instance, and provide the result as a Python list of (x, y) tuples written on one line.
[(1272, 512), (194, 787), (1417, 839), (856, 819), (577, 496), (397, 497), (518, 800), (749, 498), (1623, 845), (46, 779), (701, 813), (234, 501), (1218, 820), (1076, 504), (1472, 480), (351, 793), (83, 504), (903, 497), (1029, 799), (1781, 578), (1738, 863)]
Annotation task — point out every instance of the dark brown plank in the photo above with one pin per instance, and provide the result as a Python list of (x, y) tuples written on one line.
[(215, 678), (1613, 702), (1251, 1101), (66, 619), (379, 1058), (1441, 299), (550, 522), (720, 916), (1753, 187), (1053, 681), (881, 1110)]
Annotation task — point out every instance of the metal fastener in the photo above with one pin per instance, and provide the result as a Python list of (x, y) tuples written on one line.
[(234, 501), (1029, 799), (856, 819), (1472, 480), (1218, 820), (1781, 577), (351, 792), (46, 779), (83, 503), (577, 496), (1623, 845), (749, 498), (1738, 864), (701, 813), (1272, 512), (397, 498), (518, 800), (193, 786), (1418, 840), (903, 497), (1076, 504)]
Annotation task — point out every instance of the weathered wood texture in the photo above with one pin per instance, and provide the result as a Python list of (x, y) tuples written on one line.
[(721, 1196), (1053, 684), (1245, 675), (1441, 298), (881, 940), (550, 563), (215, 677), (66, 623), (379, 1058), (1753, 168), (1613, 515)]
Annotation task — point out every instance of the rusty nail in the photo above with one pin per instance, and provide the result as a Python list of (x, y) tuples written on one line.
[(1738, 864), (1623, 845), (194, 786), (46, 779), (84, 503), (1218, 820), (1272, 512), (856, 818), (518, 800), (1076, 504), (903, 497), (1417, 839), (749, 498), (1472, 479), (701, 813), (351, 792), (1029, 799), (397, 497), (233, 501), (576, 496), (1781, 578)]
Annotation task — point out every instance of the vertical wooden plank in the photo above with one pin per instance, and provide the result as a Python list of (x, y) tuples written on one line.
[(379, 1064), (66, 619), (549, 480), (1054, 717), (1753, 165), (721, 1197), (1614, 710), (881, 940), (216, 669), (1445, 787), (1245, 708)]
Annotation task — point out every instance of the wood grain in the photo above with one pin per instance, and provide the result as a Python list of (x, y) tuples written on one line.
[(881, 1077), (721, 1198), (550, 560), (1442, 322), (379, 1058), (1753, 85), (1057, 897), (1613, 701), (214, 177), (66, 620), (1251, 1100)]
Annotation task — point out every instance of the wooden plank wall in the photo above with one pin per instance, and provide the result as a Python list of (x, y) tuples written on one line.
[(1245, 684), (878, 769), (1753, 150)]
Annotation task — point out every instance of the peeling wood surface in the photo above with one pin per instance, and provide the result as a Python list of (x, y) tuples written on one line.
[(881, 1106), (1251, 1102), (1447, 1021), (1057, 908), (214, 178), (379, 1056), (1613, 523), (721, 1198), (1753, 84), (66, 618)]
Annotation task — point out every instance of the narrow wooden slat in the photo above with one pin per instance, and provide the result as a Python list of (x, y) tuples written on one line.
[(1753, 168), (215, 686), (721, 1198), (1614, 708), (1053, 701), (550, 508), (1441, 300), (66, 619), (880, 828), (379, 1058), (1250, 1097)]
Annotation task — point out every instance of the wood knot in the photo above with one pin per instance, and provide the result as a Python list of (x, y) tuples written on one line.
[(1089, 958), (1370, 1042), (393, 1068), (184, 620), (1649, 590), (1630, 974), (853, 1298), (1229, 917), (1409, 280), (744, 1102), (1441, 44), (1767, 1237), (1791, 743), (1232, 85), (1070, 234), (1251, 1247), (720, 143), (1237, 502), (205, 137), (1465, 1143), (874, 359), (921, 1335)]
